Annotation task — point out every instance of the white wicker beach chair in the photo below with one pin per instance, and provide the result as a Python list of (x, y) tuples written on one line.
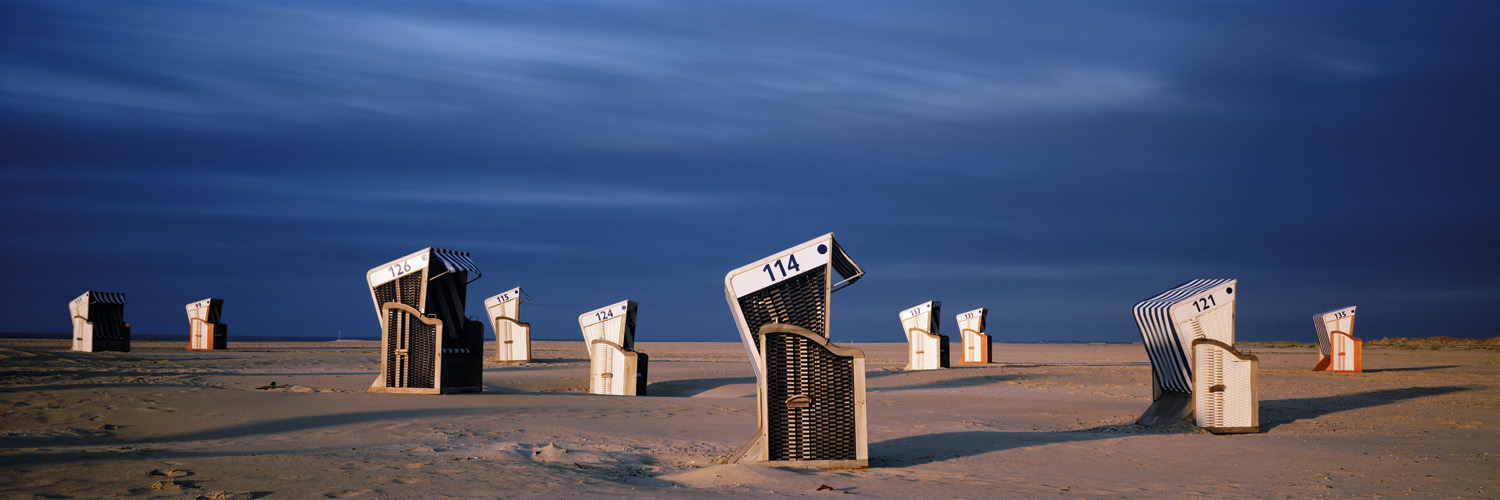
[(99, 322), (977, 345), (615, 368), (1170, 322), (810, 392), (428, 345), (512, 336), (1338, 349), (205, 332), (926, 349)]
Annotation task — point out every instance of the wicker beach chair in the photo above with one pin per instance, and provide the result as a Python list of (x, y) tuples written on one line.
[(1338, 350), (512, 336), (428, 345), (977, 345), (205, 332), (1170, 323), (615, 368), (926, 349), (810, 392), (99, 322)]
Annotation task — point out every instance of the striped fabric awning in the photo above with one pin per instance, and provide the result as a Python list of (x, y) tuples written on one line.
[(456, 261), (846, 268), (106, 297), (1163, 345)]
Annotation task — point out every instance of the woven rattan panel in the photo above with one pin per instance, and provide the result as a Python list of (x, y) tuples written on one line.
[(410, 351), (825, 429), (801, 300), (406, 290)]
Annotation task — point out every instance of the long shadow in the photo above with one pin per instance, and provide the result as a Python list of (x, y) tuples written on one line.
[(1411, 368), (689, 387), (928, 448), (1284, 411), (952, 382)]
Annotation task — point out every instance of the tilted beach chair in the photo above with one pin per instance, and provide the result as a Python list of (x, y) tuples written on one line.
[(925, 348), (1338, 350), (99, 322), (810, 392), (977, 345), (1170, 323), (512, 336), (205, 332), (428, 345), (615, 368)]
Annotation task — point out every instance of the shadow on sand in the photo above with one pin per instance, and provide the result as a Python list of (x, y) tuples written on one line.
[(1284, 411), (1411, 368)]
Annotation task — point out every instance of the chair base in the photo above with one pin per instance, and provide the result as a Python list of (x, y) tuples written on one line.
[(1232, 430), (1172, 407), (1323, 363), (756, 448), (423, 390)]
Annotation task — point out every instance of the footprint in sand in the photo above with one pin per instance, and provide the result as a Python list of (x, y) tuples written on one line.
[(347, 493)]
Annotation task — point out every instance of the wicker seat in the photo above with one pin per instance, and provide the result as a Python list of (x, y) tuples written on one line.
[(99, 322), (512, 336), (205, 332), (811, 393), (1224, 388), (428, 345), (1338, 350)]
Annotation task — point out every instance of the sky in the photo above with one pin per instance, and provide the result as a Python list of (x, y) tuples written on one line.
[(1055, 162)]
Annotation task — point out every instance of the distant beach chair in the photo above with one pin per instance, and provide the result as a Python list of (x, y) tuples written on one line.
[(977, 346), (512, 336), (99, 322), (615, 368), (205, 332), (1338, 350), (1170, 323), (925, 348), (810, 392), (428, 345)]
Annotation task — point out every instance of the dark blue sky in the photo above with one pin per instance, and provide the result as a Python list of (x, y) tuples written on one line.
[(1056, 162)]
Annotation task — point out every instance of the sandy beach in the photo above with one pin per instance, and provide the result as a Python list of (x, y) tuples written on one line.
[(1043, 421)]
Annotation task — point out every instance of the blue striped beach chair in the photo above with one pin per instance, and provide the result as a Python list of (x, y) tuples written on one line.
[(427, 344), (926, 349), (512, 336), (205, 332), (99, 322), (1338, 350), (1188, 329), (615, 367), (810, 392)]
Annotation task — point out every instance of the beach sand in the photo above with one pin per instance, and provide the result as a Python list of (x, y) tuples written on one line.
[(1043, 421)]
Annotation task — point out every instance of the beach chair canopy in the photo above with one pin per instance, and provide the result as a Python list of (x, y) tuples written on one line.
[(972, 321), (614, 323), (91, 297), (206, 310), (923, 317), (1170, 321), (788, 287)]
